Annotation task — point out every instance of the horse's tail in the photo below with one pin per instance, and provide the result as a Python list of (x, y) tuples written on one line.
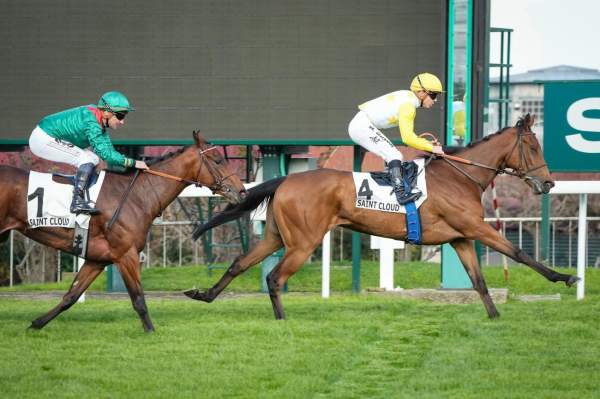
[(256, 195)]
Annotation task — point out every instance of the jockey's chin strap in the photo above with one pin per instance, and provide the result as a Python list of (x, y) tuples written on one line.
[(521, 172), (216, 186)]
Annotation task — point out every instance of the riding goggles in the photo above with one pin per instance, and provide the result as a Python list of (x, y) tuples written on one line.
[(432, 94), (120, 115)]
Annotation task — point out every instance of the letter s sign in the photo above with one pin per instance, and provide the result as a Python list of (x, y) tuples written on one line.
[(578, 121), (571, 126)]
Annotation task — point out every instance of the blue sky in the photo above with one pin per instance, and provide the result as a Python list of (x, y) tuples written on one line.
[(549, 32)]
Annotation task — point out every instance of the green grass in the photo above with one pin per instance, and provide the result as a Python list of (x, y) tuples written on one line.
[(522, 280), (347, 346)]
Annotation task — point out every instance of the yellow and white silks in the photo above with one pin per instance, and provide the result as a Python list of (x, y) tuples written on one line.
[(398, 108)]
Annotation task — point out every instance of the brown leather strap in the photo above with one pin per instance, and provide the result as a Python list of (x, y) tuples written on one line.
[(115, 215)]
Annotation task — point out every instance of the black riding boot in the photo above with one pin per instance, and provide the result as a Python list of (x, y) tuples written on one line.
[(401, 188), (79, 203)]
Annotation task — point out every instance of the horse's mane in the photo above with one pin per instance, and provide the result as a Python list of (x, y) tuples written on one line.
[(151, 160), (454, 149), (154, 160), (119, 170)]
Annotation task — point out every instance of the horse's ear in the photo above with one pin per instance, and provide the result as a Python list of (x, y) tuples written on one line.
[(529, 120), (198, 139)]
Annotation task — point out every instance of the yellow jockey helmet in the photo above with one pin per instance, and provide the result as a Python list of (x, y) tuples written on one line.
[(426, 82)]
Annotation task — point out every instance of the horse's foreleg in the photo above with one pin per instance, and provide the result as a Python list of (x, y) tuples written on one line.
[(490, 237), (129, 268), (81, 282), (291, 262), (266, 247), (466, 252)]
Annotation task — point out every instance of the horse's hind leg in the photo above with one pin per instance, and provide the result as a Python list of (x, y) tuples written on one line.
[(88, 273), (466, 252), (129, 267), (490, 237), (292, 261), (266, 247)]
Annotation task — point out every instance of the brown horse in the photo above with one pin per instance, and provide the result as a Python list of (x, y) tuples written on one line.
[(304, 206), (121, 243)]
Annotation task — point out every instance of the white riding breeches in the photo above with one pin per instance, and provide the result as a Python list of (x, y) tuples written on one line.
[(364, 133), (45, 146)]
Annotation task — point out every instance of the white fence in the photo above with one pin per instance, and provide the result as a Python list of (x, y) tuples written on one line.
[(526, 234)]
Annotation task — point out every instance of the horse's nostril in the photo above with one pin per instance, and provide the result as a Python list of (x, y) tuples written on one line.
[(548, 186)]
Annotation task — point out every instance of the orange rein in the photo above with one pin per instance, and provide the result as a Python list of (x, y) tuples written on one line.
[(168, 176), (435, 141), (176, 178)]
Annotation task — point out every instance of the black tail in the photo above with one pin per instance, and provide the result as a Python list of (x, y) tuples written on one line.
[(256, 195)]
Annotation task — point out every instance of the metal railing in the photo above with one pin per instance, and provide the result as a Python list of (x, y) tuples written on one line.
[(525, 232)]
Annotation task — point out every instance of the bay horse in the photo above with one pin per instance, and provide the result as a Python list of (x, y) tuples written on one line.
[(303, 207), (121, 243)]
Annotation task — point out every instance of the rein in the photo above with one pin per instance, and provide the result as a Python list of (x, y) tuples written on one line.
[(218, 183), (520, 172), (168, 176)]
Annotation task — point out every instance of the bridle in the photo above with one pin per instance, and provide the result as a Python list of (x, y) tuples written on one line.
[(218, 184), (522, 171), (215, 187)]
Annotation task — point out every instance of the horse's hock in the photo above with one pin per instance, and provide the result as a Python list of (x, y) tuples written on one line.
[(499, 295)]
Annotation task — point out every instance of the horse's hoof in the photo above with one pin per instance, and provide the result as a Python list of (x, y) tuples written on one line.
[(191, 293), (34, 326), (572, 281), (197, 295)]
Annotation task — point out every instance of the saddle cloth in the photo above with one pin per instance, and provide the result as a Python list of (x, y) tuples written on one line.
[(370, 194), (48, 202)]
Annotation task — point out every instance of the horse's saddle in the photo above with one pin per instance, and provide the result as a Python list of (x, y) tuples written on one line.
[(373, 189), (49, 198)]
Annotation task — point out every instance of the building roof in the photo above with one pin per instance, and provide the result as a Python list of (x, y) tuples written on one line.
[(554, 73)]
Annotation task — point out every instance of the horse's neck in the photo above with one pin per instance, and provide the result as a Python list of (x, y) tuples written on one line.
[(168, 189), (490, 153)]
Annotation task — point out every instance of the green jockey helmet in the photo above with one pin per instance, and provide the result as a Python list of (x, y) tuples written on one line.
[(114, 101)]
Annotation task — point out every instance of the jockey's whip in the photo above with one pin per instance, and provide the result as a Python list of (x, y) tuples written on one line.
[(115, 215)]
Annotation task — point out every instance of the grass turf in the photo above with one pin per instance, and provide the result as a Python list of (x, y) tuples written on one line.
[(347, 346)]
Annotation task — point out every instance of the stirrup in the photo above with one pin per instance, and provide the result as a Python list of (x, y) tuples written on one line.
[(82, 206), (403, 198)]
